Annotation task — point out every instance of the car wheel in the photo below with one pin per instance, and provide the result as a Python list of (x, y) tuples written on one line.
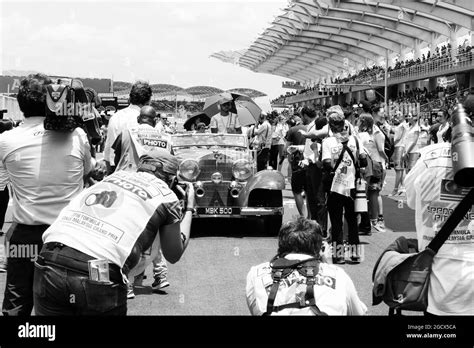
[(272, 224)]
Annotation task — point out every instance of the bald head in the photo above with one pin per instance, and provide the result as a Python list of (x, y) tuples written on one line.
[(147, 115)]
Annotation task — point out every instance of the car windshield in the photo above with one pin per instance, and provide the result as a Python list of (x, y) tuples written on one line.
[(207, 140)]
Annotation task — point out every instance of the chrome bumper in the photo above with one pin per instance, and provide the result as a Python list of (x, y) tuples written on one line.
[(244, 212), (261, 211)]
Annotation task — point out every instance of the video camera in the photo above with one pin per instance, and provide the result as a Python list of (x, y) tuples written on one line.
[(68, 107), (181, 192)]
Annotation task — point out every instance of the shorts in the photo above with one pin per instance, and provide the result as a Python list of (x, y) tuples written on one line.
[(397, 157), (412, 159), (298, 179), (376, 186)]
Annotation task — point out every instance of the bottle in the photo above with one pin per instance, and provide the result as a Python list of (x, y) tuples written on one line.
[(360, 202)]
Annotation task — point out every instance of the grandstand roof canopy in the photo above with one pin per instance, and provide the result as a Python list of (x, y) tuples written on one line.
[(202, 91), (252, 93), (163, 90), (316, 38)]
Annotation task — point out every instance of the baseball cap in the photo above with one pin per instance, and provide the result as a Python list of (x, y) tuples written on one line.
[(159, 159), (336, 118)]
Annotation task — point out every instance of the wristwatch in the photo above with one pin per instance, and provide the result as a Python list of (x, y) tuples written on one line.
[(192, 210)]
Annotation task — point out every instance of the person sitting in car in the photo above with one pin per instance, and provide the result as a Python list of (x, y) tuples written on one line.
[(225, 121)]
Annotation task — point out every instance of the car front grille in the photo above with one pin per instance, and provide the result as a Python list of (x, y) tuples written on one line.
[(216, 195), (210, 165)]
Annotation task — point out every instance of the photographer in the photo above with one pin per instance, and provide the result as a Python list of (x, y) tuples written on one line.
[(47, 170), (128, 148), (113, 223), (298, 241), (340, 155), (433, 194)]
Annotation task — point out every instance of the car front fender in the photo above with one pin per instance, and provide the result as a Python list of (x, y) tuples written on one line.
[(264, 179)]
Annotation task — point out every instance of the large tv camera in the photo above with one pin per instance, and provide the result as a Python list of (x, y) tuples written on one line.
[(462, 146), (68, 107)]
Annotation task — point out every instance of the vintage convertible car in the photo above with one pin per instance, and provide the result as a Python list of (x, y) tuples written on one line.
[(226, 182)]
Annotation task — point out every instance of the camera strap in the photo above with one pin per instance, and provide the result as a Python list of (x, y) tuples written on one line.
[(459, 212)]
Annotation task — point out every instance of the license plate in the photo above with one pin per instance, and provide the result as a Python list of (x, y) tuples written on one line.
[(218, 211)]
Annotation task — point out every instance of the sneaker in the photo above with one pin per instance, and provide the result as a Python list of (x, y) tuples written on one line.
[(381, 225), (394, 193), (375, 227), (130, 294), (160, 283), (363, 231)]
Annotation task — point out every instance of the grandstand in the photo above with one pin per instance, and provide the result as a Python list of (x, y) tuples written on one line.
[(339, 49)]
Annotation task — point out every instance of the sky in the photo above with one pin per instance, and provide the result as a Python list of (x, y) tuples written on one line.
[(157, 41)]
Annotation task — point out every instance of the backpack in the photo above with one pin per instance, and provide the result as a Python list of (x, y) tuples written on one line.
[(388, 147), (281, 269)]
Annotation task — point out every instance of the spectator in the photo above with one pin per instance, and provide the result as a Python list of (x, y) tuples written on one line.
[(411, 149), (47, 170), (295, 144), (225, 121), (339, 157), (443, 119), (300, 240), (450, 289), (263, 135), (140, 95), (157, 222), (401, 130), (315, 194), (274, 150), (372, 140), (5, 125)]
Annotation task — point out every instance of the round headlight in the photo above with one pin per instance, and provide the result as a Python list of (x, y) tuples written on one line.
[(242, 170), (189, 170)]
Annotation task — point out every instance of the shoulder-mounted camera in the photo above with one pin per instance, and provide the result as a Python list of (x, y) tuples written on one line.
[(68, 107)]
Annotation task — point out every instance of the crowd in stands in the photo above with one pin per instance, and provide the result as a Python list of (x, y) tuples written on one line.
[(170, 105), (374, 73)]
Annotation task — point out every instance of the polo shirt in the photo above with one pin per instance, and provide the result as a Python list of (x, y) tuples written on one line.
[(46, 169), (120, 121)]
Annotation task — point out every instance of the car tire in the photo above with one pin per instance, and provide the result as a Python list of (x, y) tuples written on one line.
[(272, 224)]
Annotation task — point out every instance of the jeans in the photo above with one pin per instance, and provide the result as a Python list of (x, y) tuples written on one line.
[(18, 297), (262, 159), (336, 205), (61, 290), (316, 195), (4, 198), (273, 161), (160, 268)]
